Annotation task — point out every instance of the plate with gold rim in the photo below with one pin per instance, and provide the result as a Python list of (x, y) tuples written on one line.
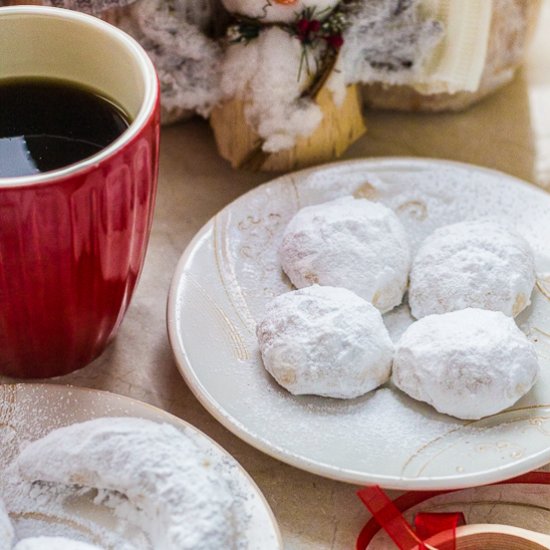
[(30, 411), (231, 270)]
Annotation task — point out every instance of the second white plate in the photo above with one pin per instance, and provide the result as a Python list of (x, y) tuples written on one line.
[(231, 269)]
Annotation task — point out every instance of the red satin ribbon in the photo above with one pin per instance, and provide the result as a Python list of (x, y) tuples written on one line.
[(387, 514), (389, 517), (429, 524)]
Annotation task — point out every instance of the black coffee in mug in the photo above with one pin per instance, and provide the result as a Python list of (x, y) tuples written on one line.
[(47, 124)]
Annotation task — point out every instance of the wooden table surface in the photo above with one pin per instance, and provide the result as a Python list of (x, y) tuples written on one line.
[(509, 131)]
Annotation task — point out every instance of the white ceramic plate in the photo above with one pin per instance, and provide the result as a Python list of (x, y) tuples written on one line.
[(29, 411), (231, 269)]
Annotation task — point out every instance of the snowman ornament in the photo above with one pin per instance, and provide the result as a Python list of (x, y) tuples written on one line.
[(275, 103)]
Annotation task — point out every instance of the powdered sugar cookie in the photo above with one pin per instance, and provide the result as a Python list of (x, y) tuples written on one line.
[(53, 543), (271, 11), (469, 364), (480, 264), (6, 529), (325, 341), (351, 243), (182, 501)]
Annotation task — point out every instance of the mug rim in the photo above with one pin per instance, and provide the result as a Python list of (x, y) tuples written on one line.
[(147, 108)]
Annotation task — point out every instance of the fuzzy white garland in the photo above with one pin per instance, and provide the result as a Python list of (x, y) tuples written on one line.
[(188, 62), (387, 42)]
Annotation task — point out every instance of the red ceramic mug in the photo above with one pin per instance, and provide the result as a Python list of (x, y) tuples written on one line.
[(73, 240)]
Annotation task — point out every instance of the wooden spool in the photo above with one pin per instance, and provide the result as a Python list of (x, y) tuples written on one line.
[(239, 144), (490, 537)]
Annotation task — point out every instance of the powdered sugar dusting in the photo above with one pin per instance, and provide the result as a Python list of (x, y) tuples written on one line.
[(46, 509), (374, 422), (183, 503)]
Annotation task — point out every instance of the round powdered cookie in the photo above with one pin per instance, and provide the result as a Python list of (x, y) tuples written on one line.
[(351, 243), (6, 529), (480, 264), (325, 341), (469, 364), (53, 543), (272, 11)]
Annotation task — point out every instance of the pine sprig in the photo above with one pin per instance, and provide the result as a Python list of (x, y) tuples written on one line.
[(312, 29)]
